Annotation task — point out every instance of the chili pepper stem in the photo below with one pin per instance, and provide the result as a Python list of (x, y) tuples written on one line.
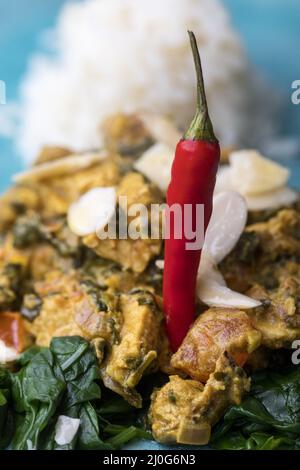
[(201, 127)]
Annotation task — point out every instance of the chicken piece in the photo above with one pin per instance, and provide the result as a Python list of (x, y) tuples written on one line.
[(108, 274), (264, 252), (137, 190), (44, 259), (48, 154), (184, 411), (279, 236), (56, 194), (50, 245), (69, 307), (31, 230), (130, 253), (97, 312), (17, 200), (278, 319), (136, 350), (126, 134), (57, 294), (215, 331)]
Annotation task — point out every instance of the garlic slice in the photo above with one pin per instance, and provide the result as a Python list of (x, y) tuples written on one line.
[(7, 354), (66, 165), (226, 225), (160, 263), (224, 179), (252, 174), (66, 429), (212, 289), (161, 128), (273, 199), (214, 294), (92, 211), (262, 182), (156, 164)]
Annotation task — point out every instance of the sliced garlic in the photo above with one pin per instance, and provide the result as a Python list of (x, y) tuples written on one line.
[(224, 180), (272, 200), (69, 164), (161, 129), (252, 174), (226, 225), (156, 164), (160, 263), (66, 429), (208, 268), (215, 294), (7, 354), (92, 211)]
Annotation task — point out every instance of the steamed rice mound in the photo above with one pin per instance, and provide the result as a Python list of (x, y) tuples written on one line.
[(126, 55)]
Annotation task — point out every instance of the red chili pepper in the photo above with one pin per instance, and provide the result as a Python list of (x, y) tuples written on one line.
[(192, 182)]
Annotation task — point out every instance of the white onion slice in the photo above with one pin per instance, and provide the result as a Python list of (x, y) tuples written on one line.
[(272, 200), (226, 225), (156, 164), (7, 354), (66, 429), (65, 165), (92, 211)]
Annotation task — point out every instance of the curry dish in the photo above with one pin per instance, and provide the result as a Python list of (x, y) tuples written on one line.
[(56, 284)]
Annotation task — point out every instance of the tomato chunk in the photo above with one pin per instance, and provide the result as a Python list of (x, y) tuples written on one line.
[(241, 358), (12, 331)]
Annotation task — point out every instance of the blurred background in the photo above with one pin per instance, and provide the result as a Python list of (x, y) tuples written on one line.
[(268, 30)]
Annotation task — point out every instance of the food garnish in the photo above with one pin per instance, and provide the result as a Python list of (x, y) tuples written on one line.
[(261, 181), (92, 211), (193, 179)]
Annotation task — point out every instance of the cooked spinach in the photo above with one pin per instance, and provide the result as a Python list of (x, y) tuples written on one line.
[(268, 418), (5, 416), (60, 380)]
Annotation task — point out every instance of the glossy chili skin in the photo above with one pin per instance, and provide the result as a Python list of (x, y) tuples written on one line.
[(193, 180)]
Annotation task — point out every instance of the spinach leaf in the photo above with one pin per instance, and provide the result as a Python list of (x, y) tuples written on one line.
[(29, 354), (268, 418), (88, 438), (6, 422), (62, 380), (79, 366), (36, 390)]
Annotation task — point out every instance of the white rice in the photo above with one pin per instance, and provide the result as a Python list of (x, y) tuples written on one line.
[(127, 55)]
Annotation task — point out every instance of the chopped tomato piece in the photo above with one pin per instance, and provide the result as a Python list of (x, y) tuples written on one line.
[(241, 358), (12, 330)]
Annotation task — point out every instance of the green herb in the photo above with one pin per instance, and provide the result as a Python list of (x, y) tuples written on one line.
[(268, 418), (61, 380), (127, 434), (4, 410)]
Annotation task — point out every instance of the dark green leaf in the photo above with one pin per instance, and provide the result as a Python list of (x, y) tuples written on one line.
[(268, 418)]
